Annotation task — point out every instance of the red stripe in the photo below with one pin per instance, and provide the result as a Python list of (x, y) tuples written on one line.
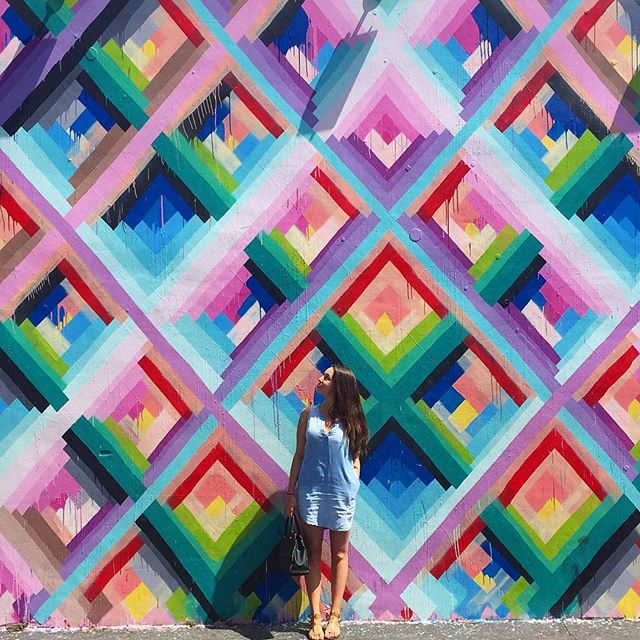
[(412, 278), (454, 552), (289, 364), (387, 254), (184, 24), (330, 187), (85, 291), (552, 441), (444, 192), (589, 18), (218, 453), (254, 106), (580, 467), (526, 469), (112, 567), (167, 389), (523, 98), (501, 376), (610, 376), (16, 212)]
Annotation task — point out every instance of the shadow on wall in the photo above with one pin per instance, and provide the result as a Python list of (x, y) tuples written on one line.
[(338, 77), (227, 585), (631, 95), (330, 89)]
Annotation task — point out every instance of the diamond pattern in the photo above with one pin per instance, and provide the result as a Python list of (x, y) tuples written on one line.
[(204, 205)]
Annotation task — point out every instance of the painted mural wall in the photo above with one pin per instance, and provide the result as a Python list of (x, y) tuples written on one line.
[(205, 202)]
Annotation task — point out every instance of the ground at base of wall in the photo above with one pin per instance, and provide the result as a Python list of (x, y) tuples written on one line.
[(568, 629)]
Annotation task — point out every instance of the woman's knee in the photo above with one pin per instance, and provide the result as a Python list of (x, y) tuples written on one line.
[(339, 554)]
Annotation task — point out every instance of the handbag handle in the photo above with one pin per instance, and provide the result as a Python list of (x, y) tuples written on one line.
[(289, 525)]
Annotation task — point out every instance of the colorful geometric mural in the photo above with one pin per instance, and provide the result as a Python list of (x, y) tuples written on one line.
[(203, 203)]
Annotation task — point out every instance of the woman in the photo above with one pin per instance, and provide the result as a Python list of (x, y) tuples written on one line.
[(323, 483)]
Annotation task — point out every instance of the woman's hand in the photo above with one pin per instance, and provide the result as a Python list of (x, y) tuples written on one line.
[(290, 505)]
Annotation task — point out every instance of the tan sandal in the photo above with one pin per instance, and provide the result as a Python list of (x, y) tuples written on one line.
[(332, 630), (316, 632)]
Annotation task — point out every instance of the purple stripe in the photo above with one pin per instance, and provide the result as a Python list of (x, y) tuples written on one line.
[(432, 245), (94, 522), (496, 67), (613, 427), (546, 413), (418, 158), (529, 330), (32, 67), (493, 72), (363, 170), (447, 245), (275, 74), (172, 444), (601, 433), (250, 446), (94, 534), (168, 438), (260, 339)]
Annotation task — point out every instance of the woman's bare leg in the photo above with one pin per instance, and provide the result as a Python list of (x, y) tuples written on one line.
[(313, 540), (339, 567)]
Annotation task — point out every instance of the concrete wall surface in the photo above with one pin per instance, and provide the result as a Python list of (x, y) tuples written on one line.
[(204, 203)]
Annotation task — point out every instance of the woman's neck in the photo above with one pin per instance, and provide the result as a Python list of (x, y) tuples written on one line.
[(325, 406)]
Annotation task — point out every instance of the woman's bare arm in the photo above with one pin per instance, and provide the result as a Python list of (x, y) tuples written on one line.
[(301, 436)]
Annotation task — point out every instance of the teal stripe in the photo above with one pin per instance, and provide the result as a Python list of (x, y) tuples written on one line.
[(94, 556)]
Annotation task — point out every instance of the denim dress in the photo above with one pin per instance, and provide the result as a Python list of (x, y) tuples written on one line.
[(327, 482)]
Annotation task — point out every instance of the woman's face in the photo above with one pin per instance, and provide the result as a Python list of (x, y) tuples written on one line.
[(325, 383)]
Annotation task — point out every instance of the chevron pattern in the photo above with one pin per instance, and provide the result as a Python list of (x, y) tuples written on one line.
[(203, 203)]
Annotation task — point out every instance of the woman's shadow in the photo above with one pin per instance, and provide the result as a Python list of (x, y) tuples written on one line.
[(272, 599), (630, 101), (336, 80)]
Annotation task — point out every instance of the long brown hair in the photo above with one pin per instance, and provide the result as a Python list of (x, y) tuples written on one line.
[(347, 407)]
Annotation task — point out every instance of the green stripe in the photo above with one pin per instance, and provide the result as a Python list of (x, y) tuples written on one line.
[(217, 549), (342, 341), (190, 554), (116, 86), (296, 259), (127, 445), (46, 351), (441, 428), (185, 162), (410, 342), (512, 596), (506, 236), (590, 176), (111, 456), (125, 64), (422, 361), (497, 279), (573, 160), (269, 257), (228, 182), (26, 358)]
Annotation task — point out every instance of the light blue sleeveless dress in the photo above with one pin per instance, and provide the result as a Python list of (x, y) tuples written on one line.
[(327, 481)]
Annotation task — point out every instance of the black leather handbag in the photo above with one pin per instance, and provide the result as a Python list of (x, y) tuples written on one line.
[(291, 554)]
